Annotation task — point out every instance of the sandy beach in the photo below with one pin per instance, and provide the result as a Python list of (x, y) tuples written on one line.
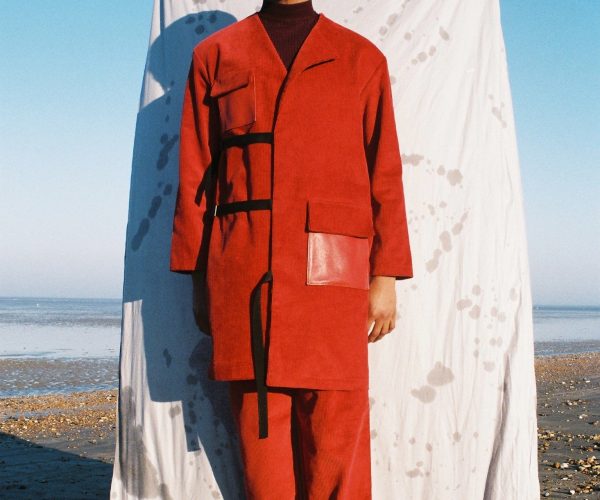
[(57, 446), (569, 425), (62, 445)]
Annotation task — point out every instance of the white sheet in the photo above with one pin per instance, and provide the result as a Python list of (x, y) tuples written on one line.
[(453, 391)]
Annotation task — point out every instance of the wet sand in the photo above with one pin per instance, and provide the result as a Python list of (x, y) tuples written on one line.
[(32, 376), (62, 445)]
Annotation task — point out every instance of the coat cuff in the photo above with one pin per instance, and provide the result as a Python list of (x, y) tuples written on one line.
[(399, 272)]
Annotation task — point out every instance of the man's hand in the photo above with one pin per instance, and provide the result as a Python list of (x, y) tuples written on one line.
[(199, 302), (382, 306)]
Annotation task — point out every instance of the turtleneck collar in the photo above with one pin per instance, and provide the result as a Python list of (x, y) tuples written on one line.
[(280, 11)]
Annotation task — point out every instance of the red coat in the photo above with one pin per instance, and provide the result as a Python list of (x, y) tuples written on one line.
[(319, 148)]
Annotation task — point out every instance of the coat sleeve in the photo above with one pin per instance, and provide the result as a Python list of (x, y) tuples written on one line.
[(390, 252), (198, 157)]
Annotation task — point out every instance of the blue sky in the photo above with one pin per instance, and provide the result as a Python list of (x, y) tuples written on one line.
[(71, 78)]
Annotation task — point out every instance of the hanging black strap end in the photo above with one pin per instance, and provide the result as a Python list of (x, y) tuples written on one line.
[(259, 355)]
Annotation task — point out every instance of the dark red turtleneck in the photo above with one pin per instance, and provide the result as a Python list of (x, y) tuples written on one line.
[(288, 25)]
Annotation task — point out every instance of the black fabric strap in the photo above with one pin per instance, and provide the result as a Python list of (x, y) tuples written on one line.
[(243, 139), (258, 355), (237, 206), (256, 330)]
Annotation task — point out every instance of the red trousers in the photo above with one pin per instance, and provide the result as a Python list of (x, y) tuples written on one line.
[(318, 447)]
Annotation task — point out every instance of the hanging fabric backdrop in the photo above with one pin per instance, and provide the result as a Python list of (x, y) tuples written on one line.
[(453, 396)]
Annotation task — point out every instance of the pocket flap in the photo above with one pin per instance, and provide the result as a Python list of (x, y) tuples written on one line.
[(340, 218), (231, 81)]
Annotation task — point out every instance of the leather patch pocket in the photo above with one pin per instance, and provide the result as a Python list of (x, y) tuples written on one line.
[(235, 93), (339, 244)]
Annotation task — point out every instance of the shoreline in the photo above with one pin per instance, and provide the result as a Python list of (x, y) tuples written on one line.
[(27, 375), (62, 444)]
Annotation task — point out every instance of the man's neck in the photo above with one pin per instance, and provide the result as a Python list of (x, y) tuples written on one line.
[(293, 10)]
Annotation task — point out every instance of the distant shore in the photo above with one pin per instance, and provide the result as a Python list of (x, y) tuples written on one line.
[(62, 445)]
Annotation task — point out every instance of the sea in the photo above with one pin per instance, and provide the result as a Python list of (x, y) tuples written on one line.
[(62, 345)]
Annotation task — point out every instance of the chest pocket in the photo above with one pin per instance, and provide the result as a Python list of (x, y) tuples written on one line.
[(235, 93), (339, 244)]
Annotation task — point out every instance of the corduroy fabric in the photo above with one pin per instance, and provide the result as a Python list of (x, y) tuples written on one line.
[(318, 446), (335, 149)]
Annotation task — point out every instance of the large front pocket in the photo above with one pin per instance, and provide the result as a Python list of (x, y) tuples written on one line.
[(338, 244), (236, 98)]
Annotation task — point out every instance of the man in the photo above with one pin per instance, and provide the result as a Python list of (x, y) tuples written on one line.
[(291, 184)]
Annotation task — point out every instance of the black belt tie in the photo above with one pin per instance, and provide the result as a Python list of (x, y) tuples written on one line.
[(256, 330), (245, 139), (258, 355)]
